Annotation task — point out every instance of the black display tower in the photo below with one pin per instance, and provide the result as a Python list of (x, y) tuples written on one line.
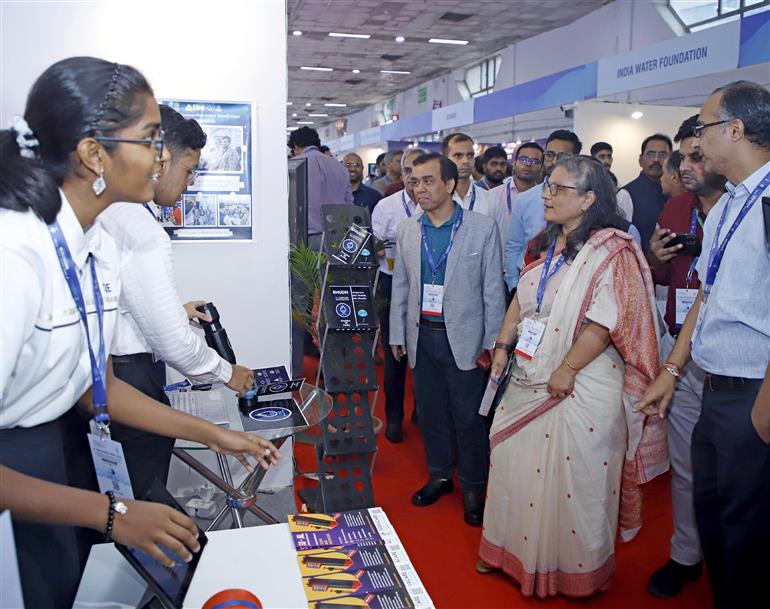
[(347, 332)]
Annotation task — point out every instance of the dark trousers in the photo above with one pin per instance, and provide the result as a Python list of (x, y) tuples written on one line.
[(452, 429), (731, 487), (395, 370), (148, 456), (49, 564)]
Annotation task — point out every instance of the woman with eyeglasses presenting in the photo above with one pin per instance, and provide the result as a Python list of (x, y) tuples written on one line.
[(564, 440), (90, 136)]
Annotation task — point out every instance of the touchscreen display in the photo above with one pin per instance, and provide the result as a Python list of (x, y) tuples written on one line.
[(169, 583)]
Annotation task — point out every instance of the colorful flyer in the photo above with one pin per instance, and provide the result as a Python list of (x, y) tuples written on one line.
[(360, 582), (342, 529)]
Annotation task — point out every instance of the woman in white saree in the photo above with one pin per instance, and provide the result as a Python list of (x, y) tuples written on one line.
[(568, 452)]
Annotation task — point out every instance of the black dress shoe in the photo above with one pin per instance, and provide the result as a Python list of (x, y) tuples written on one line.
[(430, 493), (474, 508), (393, 433), (668, 581)]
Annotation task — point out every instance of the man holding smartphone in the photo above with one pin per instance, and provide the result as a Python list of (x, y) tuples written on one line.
[(672, 247)]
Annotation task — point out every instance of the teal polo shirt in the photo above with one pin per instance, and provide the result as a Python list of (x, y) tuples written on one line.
[(438, 239)]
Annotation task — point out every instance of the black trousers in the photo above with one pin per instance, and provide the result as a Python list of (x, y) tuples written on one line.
[(453, 431), (731, 487), (148, 456), (395, 370), (49, 564)]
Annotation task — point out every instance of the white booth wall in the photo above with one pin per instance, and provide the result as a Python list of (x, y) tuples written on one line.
[(596, 121), (173, 44)]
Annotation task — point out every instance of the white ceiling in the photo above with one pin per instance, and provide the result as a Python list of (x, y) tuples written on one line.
[(489, 25)]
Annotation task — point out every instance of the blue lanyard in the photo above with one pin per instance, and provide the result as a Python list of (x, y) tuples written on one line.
[(717, 249), (693, 228), (406, 205), (473, 197), (429, 255), (508, 196), (546, 275), (147, 207), (98, 371)]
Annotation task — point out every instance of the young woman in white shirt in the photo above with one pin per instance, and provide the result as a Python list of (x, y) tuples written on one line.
[(90, 136)]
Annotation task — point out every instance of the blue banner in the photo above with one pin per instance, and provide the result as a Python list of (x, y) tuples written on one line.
[(755, 39), (563, 87)]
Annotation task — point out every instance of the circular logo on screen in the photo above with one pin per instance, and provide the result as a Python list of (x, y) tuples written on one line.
[(270, 414), (343, 310), (363, 313), (278, 388), (349, 245)]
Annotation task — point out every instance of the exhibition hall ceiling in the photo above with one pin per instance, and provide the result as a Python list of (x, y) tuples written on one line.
[(356, 78)]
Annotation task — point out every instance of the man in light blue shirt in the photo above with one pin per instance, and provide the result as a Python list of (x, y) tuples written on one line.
[(727, 332), (527, 217)]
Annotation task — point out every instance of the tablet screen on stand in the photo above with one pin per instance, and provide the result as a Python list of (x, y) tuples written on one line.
[(169, 584)]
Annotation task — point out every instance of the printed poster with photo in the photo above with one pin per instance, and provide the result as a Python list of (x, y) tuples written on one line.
[(218, 206)]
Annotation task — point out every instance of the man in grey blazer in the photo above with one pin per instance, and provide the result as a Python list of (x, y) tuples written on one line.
[(447, 306)]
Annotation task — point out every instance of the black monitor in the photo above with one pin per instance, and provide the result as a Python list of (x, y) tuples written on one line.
[(297, 201)]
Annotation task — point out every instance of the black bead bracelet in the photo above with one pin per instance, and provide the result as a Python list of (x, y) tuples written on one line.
[(110, 517)]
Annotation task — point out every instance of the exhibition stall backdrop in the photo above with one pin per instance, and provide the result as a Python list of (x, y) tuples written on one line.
[(598, 121)]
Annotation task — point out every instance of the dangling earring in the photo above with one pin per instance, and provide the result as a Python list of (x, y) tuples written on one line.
[(99, 185)]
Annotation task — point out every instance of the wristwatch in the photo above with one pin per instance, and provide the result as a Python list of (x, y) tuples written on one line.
[(504, 346), (672, 369)]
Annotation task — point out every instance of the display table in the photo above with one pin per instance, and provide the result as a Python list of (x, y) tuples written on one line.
[(262, 560), (314, 403), (259, 559)]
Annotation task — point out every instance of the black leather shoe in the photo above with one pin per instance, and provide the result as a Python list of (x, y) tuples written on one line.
[(668, 581), (430, 493), (393, 433), (474, 508)]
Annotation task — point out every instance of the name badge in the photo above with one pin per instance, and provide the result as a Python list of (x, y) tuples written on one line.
[(684, 301), (531, 335), (432, 299), (110, 466)]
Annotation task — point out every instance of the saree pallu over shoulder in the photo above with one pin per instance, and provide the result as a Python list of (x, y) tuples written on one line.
[(634, 335)]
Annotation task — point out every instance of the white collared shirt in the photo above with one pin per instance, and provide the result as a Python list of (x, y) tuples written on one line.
[(387, 215), (505, 195), (483, 202), (44, 362), (152, 316)]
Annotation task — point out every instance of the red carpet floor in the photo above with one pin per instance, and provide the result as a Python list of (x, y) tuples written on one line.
[(444, 549)]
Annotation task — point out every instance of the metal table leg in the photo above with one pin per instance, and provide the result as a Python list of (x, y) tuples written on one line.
[(224, 468), (236, 499)]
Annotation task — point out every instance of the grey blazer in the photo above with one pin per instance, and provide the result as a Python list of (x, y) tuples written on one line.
[(474, 293)]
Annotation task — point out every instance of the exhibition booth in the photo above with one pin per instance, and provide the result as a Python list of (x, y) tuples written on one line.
[(325, 544)]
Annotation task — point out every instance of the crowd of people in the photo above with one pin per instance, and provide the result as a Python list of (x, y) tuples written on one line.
[(602, 386), (542, 281)]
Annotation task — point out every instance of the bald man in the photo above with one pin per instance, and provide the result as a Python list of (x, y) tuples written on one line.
[(363, 196)]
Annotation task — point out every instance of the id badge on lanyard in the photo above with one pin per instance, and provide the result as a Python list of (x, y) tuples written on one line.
[(532, 330), (109, 461), (432, 293)]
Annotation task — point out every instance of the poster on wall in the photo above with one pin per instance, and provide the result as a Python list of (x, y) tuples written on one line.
[(218, 206)]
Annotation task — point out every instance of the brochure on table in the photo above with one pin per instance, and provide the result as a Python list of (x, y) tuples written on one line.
[(355, 559)]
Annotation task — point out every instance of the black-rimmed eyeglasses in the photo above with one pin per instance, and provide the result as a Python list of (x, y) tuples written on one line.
[(554, 189), (525, 160), (148, 141), (697, 130)]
